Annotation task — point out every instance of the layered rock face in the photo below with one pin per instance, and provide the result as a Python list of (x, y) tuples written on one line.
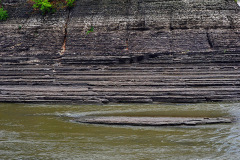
[(139, 51)]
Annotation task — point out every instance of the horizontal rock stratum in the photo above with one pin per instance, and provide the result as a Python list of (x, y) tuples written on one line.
[(139, 51), (152, 121)]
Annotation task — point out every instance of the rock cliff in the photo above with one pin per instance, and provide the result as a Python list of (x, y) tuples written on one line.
[(139, 51)]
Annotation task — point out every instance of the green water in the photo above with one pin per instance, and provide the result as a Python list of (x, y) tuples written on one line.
[(47, 132)]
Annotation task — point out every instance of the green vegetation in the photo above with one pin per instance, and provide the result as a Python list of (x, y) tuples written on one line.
[(70, 3), (50, 6), (3, 14), (91, 30), (44, 5)]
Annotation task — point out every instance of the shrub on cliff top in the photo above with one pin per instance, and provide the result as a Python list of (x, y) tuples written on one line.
[(3, 14), (70, 3), (46, 6)]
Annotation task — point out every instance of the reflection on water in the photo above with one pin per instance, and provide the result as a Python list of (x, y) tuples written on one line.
[(47, 132)]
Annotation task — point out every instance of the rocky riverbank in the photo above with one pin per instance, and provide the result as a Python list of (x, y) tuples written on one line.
[(139, 51)]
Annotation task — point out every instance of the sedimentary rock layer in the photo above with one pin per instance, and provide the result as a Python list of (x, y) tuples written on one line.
[(152, 121), (139, 51)]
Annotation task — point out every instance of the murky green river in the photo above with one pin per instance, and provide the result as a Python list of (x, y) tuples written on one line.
[(30, 131)]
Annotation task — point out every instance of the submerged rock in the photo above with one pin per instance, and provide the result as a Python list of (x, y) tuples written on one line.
[(153, 121)]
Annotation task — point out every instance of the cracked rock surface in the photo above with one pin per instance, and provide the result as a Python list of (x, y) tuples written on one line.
[(139, 51)]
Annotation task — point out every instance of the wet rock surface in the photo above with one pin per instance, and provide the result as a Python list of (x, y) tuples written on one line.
[(152, 121), (140, 51)]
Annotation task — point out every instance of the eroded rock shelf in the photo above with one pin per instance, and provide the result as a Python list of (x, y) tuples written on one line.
[(153, 121)]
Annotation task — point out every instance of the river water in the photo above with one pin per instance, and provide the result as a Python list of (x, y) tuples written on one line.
[(31, 131)]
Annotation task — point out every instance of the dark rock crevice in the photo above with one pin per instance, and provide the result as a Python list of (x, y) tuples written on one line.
[(63, 49), (231, 22), (209, 39)]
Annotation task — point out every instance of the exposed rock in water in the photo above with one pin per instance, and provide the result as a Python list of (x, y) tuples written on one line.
[(152, 121), (139, 51)]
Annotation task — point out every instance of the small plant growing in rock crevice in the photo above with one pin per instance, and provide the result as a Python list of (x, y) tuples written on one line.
[(90, 30), (3, 14)]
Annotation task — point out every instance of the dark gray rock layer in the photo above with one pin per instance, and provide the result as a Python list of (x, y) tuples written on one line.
[(140, 51), (152, 121)]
